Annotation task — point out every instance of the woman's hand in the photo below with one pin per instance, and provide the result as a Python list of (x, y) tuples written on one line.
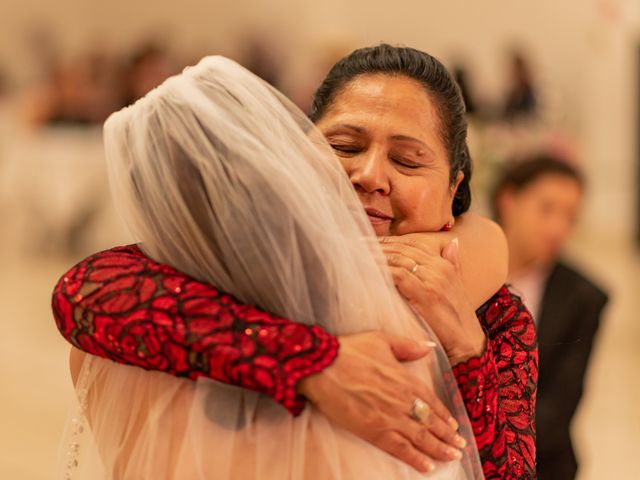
[(432, 284), (484, 255), (368, 392)]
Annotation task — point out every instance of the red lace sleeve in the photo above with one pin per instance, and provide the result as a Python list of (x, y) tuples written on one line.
[(499, 389), (123, 306)]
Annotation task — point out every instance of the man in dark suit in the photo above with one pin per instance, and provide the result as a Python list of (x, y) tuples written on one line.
[(570, 314), (536, 200)]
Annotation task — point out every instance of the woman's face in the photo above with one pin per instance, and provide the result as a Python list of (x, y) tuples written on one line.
[(385, 131)]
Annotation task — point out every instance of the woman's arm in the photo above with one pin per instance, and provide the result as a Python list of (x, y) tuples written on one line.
[(123, 306), (499, 389), (493, 353)]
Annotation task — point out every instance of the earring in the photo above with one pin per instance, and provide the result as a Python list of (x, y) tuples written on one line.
[(448, 226)]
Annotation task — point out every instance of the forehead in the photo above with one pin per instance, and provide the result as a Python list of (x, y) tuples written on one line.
[(562, 187), (381, 100)]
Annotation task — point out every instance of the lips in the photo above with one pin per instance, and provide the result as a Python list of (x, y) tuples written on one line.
[(376, 217)]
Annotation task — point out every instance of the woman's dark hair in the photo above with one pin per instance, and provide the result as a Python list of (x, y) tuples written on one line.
[(519, 174), (436, 80)]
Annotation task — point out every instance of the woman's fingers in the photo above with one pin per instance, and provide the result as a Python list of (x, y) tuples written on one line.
[(400, 260), (373, 396), (441, 430), (451, 253), (407, 350), (414, 253), (438, 420), (429, 443), (400, 447), (418, 443), (409, 285), (437, 410), (431, 243), (408, 258), (434, 275)]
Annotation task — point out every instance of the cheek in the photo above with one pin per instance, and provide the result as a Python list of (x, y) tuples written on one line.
[(531, 223), (539, 228), (346, 163), (419, 205)]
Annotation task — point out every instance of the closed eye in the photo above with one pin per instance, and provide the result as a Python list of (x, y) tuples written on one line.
[(346, 149), (403, 162)]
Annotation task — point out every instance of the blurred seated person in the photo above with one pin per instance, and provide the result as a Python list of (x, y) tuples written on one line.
[(261, 56), (521, 101), (148, 67), (461, 76), (84, 91), (536, 201)]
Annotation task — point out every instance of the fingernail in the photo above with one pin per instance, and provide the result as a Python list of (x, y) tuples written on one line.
[(428, 466), (428, 344), (456, 242), (459, 441), (453, 423), (454, 454)]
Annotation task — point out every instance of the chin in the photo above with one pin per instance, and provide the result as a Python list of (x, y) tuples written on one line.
[(548, 257), (381, 230)]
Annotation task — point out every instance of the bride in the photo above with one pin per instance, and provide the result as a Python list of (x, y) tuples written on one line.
[(218, 175)]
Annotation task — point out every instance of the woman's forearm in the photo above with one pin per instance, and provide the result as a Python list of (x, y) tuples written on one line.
[(499, 391), (123, 306)]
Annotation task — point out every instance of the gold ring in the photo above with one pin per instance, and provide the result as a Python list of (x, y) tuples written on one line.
[(419, 410)]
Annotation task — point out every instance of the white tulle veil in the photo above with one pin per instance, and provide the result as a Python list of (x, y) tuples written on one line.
[(222, 177)]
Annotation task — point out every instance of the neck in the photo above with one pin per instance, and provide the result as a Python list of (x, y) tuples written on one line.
[(520, 266)]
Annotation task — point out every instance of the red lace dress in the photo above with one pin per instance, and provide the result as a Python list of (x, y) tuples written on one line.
[(123, 306)]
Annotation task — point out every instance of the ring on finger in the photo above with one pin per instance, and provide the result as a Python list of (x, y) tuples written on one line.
[(420, 410)]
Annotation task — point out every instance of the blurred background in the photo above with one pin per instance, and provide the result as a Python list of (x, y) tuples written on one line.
[(563, 77)]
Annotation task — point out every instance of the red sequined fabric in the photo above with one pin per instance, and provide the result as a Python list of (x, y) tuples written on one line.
[(123, 306), (499, 389)]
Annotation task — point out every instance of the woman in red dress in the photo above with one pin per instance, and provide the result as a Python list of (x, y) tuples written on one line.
[(394, 118)]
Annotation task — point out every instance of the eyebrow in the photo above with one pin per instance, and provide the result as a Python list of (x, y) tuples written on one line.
[(405, 138), (348, 127)]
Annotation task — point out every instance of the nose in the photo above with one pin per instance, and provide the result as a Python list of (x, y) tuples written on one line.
[(368, 172), (556, 233)]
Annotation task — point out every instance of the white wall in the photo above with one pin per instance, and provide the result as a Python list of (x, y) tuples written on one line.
[(584, 50)]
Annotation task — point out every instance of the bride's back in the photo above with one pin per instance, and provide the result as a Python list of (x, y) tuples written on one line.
[(220, 176)]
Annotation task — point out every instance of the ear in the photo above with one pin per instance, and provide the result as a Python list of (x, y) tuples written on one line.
[(454, 187)]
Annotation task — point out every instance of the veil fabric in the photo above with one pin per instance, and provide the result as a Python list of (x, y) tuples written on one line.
[(219, 175)]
